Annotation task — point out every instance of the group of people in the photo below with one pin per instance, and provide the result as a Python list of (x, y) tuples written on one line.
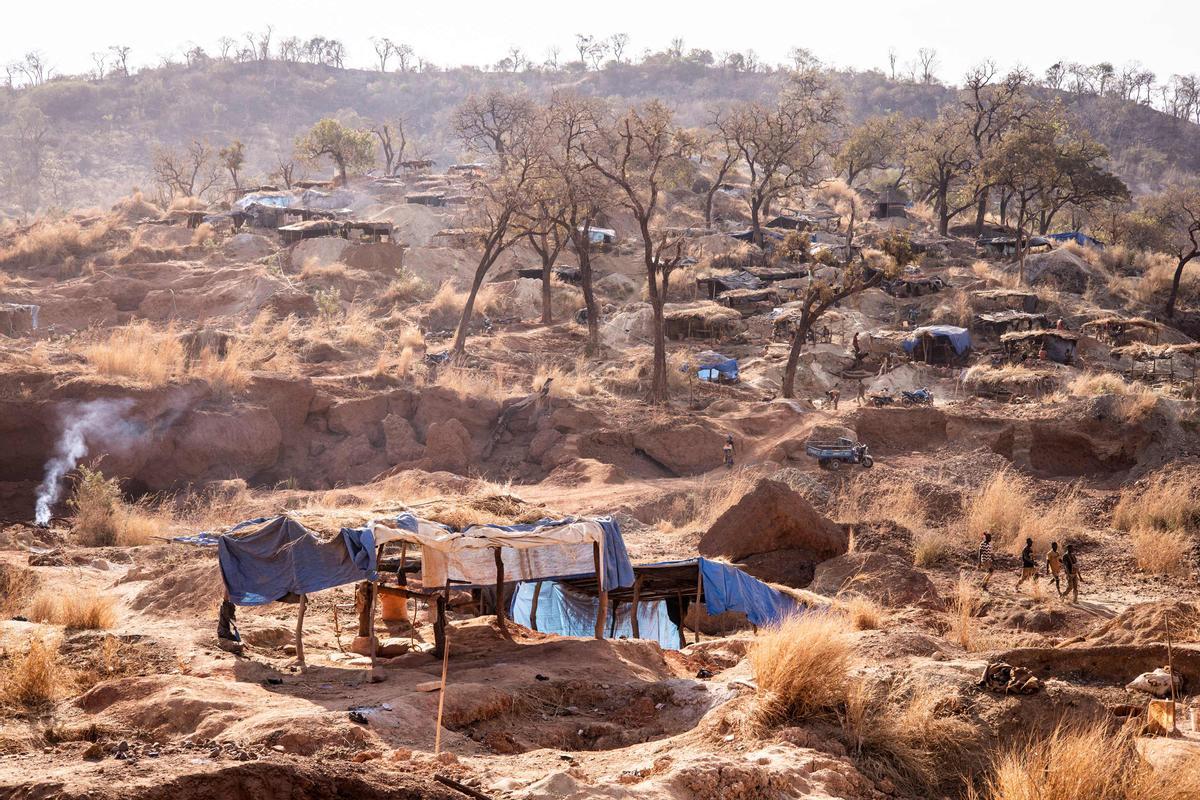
[(1058, 566)]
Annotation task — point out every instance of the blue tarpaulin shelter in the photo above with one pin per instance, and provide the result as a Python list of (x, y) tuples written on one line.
[(283, 557), (1077, 237), (663, 592), (722, 371), (918, 344)]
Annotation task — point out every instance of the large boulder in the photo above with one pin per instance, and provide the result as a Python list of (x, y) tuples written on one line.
[(682, 449), (212, 445), (885, 576), (776, 534), (448, 448), (361, 415), (400, 440)]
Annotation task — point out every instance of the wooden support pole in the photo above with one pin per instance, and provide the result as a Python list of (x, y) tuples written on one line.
[(437, 737), (1170, 667), (682, 619), (300, 630), (699, 591), (602, 611), (371, 593), (537, 591), (633, 609), (439, 627), (500, 594)]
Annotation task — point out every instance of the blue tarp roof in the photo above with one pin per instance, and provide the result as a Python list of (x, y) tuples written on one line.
[(284, 557), (960, 338), (727, 369), (1078, 237)]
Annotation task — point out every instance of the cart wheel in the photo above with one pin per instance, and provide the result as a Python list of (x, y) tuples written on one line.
[(835, 464), (868, 462)]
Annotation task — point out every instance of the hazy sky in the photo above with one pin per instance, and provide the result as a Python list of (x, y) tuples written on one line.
[(858, 33)]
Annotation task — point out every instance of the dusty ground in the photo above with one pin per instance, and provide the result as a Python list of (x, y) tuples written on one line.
[(338, 428)]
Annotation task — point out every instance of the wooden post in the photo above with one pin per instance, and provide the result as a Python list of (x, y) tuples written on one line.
[(439, 627), (537, 591), (602, 611), (300, 630), (633, 610), (372, 591), (500, 594), (682, 619), (1170, 667), (699, 590), (437, 737)]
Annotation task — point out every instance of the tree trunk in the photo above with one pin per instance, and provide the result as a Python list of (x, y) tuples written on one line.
[(658, 385), (708, 204), (1171, 298), (1021, 249), (547, 274), (755, 227), (793, 360), (583, 248), (464, 322), (980, 213)]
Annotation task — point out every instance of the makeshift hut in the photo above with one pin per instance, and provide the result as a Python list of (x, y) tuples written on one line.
[(1008, 381), (1004, 300), (938, 344), (715, 368), (913, 285), (1145, 359), (433, 199), (749, 301), (1118, 330), (1006, 246), (710, 286), (1057, 345), (998, 323), (891, 202), (706, 320), (312, 229), (771, 275), (1077, 237), (654, 606)]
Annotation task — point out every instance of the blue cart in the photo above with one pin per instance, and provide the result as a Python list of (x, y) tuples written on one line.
[(832, 456)]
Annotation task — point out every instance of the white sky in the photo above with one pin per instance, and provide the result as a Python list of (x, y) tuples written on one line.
[(1162, 34)]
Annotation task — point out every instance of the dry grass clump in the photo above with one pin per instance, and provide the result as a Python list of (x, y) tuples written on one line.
[(1089, 761), (139, 352), (1165, 503), (866, 500), (204, 233), (1006, 506), (407, 289), (411, 338), (1095, 384), (393, 364), (16, 585), (358, 328), (33, 679), (965, 604), (77, 609), (267, 344), (103, 518), (1160, 552), (802, 667), (932, 547), (573, 383), (897, 732), (226, 375), (48, 241), (495, 384), (313, 270), (699, 507), (864, 613)]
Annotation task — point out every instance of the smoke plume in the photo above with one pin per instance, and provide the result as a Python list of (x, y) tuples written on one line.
[(95, 423)]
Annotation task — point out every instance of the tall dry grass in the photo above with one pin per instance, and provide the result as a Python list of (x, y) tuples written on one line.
[(802, 666), (1006, 506), (576, 382), (863, 613), (17, 584), (965, 603), (103, 518), (139, 352), (1167, 502), (48, 241), (75, 609), (1089, 761), (699, 507), (358, 328), (867, 500), (34, 678), (1160, 552), (226, 374)]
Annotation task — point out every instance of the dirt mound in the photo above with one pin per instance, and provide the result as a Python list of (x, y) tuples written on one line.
[(776, 533), (134, 209), (322, 251), (1146, 623), (374, 257), (1059, 269), (898, 430), (630, 326), (189, 590), (248, 247), (584, 471), (884, 576)]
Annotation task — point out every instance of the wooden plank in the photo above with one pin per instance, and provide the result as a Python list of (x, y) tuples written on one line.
[(633, 611), (537, 591), (437, 737), (300, 630), (602, 611), (699, 591), (500, 594)]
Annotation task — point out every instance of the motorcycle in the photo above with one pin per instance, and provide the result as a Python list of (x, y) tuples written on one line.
[(920, 397)]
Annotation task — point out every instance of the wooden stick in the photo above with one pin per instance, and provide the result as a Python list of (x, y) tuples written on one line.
[(1170, 666), (371, 622), (602, 611), (500, 594), (459, 787), (437, 738), (439, 626), (537, 590), (699, 590), (633, 612), (337, 628), (300, 630), (682, 635)]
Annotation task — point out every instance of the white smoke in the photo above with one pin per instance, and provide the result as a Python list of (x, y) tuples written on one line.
[(89, 424)]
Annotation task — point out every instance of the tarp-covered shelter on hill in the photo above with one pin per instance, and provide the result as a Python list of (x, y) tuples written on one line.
[(1118, 330), (1002, 246), (1056, 345), (1077, 237), (999, 323), (705, 320), (891, 202), (712, 285), (716, 368), (748, 298), (938, 344), (655, 605), (1004, 299)]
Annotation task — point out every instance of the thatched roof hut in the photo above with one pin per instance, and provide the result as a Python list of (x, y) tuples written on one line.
[(702, 321)]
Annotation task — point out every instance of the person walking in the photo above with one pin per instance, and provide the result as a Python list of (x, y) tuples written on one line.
[(833, 395), (987, 559), (1071, 568), (728, 450), (862, 392), (1054, 566), (1028, 565)]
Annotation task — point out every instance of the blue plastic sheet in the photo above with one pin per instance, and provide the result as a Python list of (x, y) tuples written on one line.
[(283, 557), (960, 338), (566, 613), (727, 588)]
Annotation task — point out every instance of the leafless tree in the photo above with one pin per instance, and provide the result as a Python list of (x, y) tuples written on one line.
[(285, 170), (121, 53), (993, 107), (520, 162), (552, 54), (780, 145), (675, 49), (189, 172), (393, 142), (289, 49), (724, 155), (384, 50), (927, 59), (619, 42), (404, 57), (100, 59), (35, 69), (583, 43), (490, 122), (892, 56), (635, 152)]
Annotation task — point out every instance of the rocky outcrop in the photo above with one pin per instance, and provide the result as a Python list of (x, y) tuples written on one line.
[(885, 576)]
